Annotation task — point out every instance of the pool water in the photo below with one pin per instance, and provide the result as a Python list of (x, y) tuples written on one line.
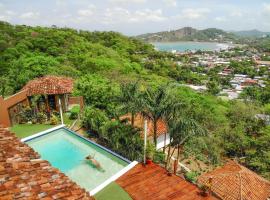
[(67, 151)]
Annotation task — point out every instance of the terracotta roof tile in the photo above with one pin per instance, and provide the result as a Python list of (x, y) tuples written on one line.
[(151, 182), (24, 176), (235, 182), (49, 85)]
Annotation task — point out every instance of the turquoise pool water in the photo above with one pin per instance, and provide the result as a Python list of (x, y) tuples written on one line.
[(67, 152)]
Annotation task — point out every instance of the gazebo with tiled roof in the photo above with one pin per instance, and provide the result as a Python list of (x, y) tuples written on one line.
[(52, 88), (49, 85), (235, 182)]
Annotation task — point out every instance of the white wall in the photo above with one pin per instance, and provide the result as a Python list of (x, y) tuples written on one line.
[(160, 140)]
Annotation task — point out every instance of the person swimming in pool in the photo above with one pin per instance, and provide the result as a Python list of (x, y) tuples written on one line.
[(93, 161)]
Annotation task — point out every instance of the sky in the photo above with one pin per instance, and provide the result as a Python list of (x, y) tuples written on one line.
[(133, 17)]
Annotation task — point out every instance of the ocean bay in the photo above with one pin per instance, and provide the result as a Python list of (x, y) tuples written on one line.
[(190, 46)]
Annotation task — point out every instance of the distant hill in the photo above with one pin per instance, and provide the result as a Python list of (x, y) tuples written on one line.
[(189, 34), (251, 33)]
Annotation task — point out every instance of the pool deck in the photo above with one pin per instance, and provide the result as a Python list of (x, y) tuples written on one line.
[(151, 182)]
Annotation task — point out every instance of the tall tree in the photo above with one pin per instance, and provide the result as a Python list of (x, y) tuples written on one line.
[(156, 104), (181, 130), (130, 99)]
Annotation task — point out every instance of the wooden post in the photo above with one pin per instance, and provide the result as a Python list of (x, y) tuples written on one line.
[(47, 103), (61, 112), (175, 166)]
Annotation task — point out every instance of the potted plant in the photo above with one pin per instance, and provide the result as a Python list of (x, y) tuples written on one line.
[(169, 171), (205, 190)]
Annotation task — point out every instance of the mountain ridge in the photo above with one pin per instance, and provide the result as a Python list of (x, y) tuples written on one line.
[(188, 34), (251, 33), (206, 35)]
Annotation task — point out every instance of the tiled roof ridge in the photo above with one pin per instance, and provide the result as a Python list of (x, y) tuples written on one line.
[(49, 84), (242, 170)]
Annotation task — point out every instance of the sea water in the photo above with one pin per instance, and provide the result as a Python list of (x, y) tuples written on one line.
[(190, 46)]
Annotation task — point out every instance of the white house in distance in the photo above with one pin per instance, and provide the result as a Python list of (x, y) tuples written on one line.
[(161, 129)]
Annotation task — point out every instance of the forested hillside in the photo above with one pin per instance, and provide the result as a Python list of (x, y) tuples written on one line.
[(102, 63), (29, 52)]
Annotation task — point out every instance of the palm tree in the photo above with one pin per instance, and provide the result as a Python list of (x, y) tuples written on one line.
[(130, 99), (156, 105), (181, 130)]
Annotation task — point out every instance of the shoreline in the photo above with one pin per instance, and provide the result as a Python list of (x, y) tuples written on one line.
[(184, 46)]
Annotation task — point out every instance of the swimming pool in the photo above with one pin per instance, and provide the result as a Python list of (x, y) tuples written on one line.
[(66, 151)]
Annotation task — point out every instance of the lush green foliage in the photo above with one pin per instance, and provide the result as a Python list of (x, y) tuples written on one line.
[(94, 119), (74, 112), (29, 52), (124, 139), (257, 94)]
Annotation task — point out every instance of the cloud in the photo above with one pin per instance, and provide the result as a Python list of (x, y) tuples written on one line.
[(10, 12), (172, 3), (220, 19), (4, 18), (30, 15), (87, 12), (193, 13), (266, 10), (150, 15), (119, 15), (236, 13), (6, 15), (128, 1)]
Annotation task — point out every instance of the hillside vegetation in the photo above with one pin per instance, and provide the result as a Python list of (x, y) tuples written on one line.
[(29, 52)]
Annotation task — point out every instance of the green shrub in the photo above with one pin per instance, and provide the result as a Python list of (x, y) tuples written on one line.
[(25, 115), (191, 176), (123, 139), (74, 112), (41, 117), (159, 157), (150, 150), (54, 120), (93, 119)]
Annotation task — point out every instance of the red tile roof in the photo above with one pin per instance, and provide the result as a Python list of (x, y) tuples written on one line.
[(139, 122), (24, 176), (151, 182), (235, 182), (49, 85)]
